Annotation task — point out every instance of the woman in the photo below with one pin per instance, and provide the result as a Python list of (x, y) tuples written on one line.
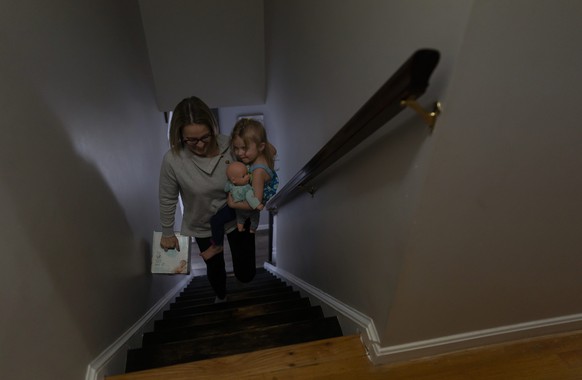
[(195, 168)]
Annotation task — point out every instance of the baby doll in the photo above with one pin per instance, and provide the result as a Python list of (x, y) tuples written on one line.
[(239, 187)]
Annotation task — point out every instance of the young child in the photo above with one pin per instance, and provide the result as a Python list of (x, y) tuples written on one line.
[(250, 145)]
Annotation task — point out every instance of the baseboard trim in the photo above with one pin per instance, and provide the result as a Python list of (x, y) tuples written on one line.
[(363, 324), (446, 344), (117, 351)]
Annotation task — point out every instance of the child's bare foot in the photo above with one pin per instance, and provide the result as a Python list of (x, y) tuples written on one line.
[(212, 251), (240, 227)]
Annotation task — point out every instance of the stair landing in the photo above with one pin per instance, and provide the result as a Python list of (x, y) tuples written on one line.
[(334, 357)]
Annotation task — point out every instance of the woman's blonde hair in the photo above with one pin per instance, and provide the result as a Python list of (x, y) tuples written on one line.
[(252, 131), (191, 111)]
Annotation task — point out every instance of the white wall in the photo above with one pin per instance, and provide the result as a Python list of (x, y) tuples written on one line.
[(470, 228), (213, 49), (80, 149)]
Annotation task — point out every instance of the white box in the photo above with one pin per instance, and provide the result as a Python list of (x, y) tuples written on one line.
[(171, 261)]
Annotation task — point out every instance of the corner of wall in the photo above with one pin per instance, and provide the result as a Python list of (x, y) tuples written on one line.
[(112, 359)]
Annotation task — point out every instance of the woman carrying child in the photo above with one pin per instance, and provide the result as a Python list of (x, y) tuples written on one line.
[(195, 169)]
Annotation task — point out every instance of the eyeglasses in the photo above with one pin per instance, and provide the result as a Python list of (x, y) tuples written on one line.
[(193, 141)]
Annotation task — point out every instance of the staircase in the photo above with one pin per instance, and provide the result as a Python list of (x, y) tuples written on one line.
[(260, 315)]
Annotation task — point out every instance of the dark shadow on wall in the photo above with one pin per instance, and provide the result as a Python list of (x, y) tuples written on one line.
[(80, 248)]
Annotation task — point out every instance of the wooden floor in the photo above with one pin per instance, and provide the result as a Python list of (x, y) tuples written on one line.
[(556, 357)]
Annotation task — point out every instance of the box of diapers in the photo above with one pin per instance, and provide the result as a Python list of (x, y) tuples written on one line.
[(171, 261)]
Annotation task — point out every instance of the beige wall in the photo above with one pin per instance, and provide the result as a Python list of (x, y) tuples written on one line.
[(496, 238), (473, 227), (80, 149)]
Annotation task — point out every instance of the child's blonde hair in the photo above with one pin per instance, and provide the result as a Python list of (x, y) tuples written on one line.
[(252, 131)]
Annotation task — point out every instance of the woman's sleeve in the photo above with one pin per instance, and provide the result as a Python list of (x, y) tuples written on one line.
[(168, 193)]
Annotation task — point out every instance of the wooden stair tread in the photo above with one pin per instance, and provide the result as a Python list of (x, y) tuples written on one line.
[(201, 282), (284, 362), (206, 299), (230, 305), (192, 293), (229, 314)]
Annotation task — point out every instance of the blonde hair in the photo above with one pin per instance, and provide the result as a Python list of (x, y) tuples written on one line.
[(252, 131)]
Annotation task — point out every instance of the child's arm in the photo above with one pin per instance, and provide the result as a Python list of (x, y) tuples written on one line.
[(260, 177)]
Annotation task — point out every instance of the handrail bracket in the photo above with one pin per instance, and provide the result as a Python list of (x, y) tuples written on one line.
[(428, 117), (309, 189)]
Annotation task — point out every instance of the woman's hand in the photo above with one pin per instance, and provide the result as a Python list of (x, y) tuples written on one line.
[(170, 242)]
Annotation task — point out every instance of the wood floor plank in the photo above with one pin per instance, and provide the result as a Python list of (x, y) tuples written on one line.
[(573, 359), (531, 359), (340, 369)]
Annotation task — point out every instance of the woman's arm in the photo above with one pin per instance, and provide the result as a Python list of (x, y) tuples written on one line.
[(168, 197)]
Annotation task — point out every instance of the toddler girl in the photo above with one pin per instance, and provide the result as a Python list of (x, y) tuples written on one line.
[(251, 147), (249, 144)]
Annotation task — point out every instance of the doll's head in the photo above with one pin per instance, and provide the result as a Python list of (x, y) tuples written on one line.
[(237, 173)]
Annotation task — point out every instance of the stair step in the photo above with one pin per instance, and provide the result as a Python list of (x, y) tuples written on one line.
[(190, 311), (232, 285), (230, 344), (287, 316), (202, 281), (229, 314), (234, 296), (237, 288)]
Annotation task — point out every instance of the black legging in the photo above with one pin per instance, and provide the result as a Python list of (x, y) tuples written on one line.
[(242, 248)]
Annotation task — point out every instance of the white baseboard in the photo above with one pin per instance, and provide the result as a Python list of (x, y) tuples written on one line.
[(112, 360), (364, 325)]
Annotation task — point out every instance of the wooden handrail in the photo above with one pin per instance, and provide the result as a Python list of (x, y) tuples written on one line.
[(408, 83)]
